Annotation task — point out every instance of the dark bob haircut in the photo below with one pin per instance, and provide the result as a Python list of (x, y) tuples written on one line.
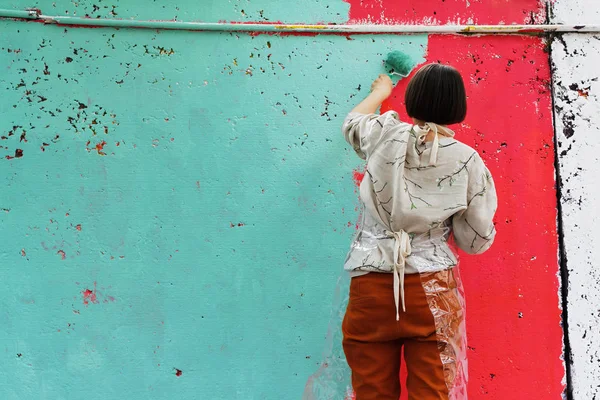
[(436, 94)]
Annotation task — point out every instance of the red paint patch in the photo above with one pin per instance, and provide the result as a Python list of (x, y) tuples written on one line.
[(510, 123), (95, 296), (23, 252), (63, 255), (178, 372), (90, 296), (357, 177), (78, 227), (100, 147), (438, 12)]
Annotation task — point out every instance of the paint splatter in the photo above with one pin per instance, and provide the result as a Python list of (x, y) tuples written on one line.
[(78, 227), (18, 154), (357, 177), (62, 254), (178, 372), (90, 296), (109, 299), (100, 147)]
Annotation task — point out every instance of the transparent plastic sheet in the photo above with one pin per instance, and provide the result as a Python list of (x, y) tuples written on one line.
[(446, 299), (433, 256)]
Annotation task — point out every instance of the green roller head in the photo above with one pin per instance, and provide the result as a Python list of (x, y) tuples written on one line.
[(398, 63)]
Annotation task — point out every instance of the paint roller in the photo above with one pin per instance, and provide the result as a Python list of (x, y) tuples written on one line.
[(398, 64)]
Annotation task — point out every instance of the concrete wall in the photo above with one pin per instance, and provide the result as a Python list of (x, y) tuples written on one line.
[(176, 206)]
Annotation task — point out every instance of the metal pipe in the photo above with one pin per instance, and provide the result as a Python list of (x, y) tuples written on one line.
[(19, 14), (35, 14)]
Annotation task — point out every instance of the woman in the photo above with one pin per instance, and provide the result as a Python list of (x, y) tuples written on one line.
[(421, 185)]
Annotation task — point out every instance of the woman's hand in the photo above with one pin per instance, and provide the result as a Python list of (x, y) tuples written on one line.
[(382, 86), (380, 90)]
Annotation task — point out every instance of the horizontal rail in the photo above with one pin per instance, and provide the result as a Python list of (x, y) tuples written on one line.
[(36, 15)]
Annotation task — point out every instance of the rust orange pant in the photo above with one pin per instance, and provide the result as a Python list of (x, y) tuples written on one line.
[(373, 341)]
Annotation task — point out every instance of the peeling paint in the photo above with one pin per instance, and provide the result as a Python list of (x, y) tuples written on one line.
[(580, 12), (457, 12), (577, 106)]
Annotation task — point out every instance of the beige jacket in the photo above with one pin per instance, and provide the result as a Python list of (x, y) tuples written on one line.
[(414, 194)]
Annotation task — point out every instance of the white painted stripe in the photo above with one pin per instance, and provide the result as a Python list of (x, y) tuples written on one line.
[(577, 106)]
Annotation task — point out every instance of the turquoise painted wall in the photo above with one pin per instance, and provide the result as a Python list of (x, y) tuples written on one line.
[(306, 11), (192, 188)]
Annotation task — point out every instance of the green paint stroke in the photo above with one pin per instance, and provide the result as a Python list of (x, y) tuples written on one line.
[(193, 189), (290, 11)]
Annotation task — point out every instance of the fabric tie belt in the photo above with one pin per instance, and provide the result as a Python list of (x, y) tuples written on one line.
[(402, 249)]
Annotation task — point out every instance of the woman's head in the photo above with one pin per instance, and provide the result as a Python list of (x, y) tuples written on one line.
[(436, 94)]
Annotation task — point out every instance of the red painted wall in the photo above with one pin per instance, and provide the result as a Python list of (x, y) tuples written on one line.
[(437, 12), (513, 316)]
